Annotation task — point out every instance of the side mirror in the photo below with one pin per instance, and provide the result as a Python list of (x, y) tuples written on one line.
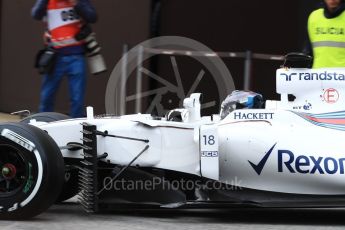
[(193, 105), (298, 60)]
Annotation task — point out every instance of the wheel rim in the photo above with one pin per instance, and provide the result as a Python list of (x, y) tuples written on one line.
[(13, 173)]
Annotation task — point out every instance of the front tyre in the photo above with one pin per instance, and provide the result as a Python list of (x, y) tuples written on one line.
[(70, 188), (31, 171)]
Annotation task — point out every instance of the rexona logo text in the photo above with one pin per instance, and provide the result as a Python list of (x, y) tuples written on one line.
[(322, 76), (289, 162)]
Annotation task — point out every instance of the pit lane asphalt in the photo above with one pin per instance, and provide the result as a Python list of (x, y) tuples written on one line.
[(70, 216)]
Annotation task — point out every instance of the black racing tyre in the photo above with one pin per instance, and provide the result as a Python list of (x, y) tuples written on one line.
[(31, 171), (46, 117), (70, 188)]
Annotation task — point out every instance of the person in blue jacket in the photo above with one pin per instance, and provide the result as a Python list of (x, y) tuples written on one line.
[(65, 20)]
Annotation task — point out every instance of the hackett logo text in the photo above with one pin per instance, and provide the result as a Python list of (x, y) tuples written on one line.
[(253, 116), (324, 76)]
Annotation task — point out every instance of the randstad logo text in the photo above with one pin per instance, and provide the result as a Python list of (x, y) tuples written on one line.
[(324, 76)]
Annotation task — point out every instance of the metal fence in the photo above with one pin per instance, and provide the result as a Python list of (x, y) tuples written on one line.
[(247, 57)]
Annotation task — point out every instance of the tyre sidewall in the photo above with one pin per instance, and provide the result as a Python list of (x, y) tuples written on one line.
[(48, 179)]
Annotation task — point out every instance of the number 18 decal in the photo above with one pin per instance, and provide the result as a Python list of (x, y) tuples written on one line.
[(209, 139)]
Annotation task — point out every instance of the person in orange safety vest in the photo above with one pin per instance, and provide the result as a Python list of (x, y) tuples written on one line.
[(65, 20)]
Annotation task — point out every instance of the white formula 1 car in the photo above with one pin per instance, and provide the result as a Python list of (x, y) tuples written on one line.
[(288, 153)]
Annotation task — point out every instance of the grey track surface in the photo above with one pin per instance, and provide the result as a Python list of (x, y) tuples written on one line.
[(70, 216)]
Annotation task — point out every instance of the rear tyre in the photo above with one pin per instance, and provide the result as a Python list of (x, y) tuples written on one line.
[(31, 171), (46, 117), (70, 187)]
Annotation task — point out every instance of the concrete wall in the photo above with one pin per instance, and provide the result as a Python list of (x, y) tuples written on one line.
[(21, 37)]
